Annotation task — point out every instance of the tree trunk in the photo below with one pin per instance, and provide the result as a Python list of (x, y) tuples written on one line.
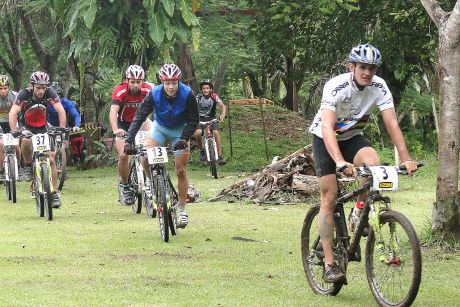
[(219, 79), (184, 61), (446, 214), (288, 82), (15, 65)]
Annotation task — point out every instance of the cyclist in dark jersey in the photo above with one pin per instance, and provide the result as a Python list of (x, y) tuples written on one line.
[(208, 101), (175, 112), (126, 98), (31, 103)]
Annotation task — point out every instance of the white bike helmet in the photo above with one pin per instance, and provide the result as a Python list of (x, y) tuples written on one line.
[(365, 54), (39, 77), (169, 72), (135, 72)]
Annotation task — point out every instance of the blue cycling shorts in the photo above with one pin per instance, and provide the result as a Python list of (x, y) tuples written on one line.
[(161, 134)]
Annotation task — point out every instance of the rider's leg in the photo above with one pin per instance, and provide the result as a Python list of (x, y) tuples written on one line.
[(369, 157), (123, 166), (52, 157), (198, 135), (328, 189), (26, 150), (181, 171)]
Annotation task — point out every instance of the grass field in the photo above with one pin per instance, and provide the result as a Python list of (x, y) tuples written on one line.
[(97, 253)]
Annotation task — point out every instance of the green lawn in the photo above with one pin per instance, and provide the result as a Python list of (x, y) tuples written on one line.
[(96, 252)]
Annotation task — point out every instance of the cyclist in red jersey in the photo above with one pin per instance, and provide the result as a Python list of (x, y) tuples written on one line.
[(31, 104), (126, 98)]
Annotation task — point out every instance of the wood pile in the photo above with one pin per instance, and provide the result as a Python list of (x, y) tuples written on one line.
[(286, 181), (249, 102)]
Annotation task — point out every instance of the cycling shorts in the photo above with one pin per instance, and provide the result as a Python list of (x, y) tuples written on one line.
[(324, 164), (161, 134)]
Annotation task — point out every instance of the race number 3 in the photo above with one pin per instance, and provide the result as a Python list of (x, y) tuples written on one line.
[(385, 178)]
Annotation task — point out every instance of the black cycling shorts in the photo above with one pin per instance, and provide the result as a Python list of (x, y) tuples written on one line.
[(4, 127), (324, 164)]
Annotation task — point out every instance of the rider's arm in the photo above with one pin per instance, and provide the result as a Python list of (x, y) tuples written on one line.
[(70, 107), (192, 118), (397, 138), (13, 117), (61, 113), (330, 140), (113, 116), (142, 112), (224, 110)]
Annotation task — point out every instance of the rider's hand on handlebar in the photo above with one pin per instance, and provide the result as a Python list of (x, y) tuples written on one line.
[(119, 132), (129, 148), (347, 168), (221, 118), (76, 129), (411, 166), (180, 145)]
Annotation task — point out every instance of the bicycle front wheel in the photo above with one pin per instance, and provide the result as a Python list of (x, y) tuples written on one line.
[(12, 177), (313, 255), (163, 210), (212, 158), (44, 172), (39, 199), (133, 182), (394, 261)]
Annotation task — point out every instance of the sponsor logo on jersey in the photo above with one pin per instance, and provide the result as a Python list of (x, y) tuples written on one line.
[(339, 88)]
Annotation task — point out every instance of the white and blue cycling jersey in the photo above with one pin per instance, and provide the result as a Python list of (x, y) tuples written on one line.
[(352, 106)]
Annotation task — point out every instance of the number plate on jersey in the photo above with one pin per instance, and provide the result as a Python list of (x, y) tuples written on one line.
[(41, 142), (141, 136), (9, 140), (157, 155), (385, 178)]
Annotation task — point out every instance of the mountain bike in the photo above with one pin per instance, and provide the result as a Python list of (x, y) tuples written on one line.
[(41, 171), (164, 195), (10, 165), (393, 256), (136, 177), (210, 146)]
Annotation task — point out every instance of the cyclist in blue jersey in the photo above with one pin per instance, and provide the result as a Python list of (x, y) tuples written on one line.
[(175, 119), (338, 141), (69, 106)]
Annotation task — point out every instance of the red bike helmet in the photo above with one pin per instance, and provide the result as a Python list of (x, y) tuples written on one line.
[(135, 72), (39, 77), (169, 72)]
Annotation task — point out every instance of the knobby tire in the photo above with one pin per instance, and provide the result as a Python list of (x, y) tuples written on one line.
[(46, 191), (394, 283)]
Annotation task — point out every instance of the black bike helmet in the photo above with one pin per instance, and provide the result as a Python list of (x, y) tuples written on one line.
[(55, 86), (206, 82)]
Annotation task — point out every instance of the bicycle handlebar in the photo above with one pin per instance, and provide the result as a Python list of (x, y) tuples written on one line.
[(209, 121), (364, 170)]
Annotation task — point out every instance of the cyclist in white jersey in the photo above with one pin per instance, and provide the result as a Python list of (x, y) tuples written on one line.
[(338, 141), (6, 101)]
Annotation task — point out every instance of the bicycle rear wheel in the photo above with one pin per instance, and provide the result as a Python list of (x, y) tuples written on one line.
[(61, 165), (133, 182), (46, 191), (162, 206), (12, 177), (394, 261), (313, 255)]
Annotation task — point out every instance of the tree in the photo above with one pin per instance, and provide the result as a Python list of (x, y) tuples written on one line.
[(446, 212), (13, 62)]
